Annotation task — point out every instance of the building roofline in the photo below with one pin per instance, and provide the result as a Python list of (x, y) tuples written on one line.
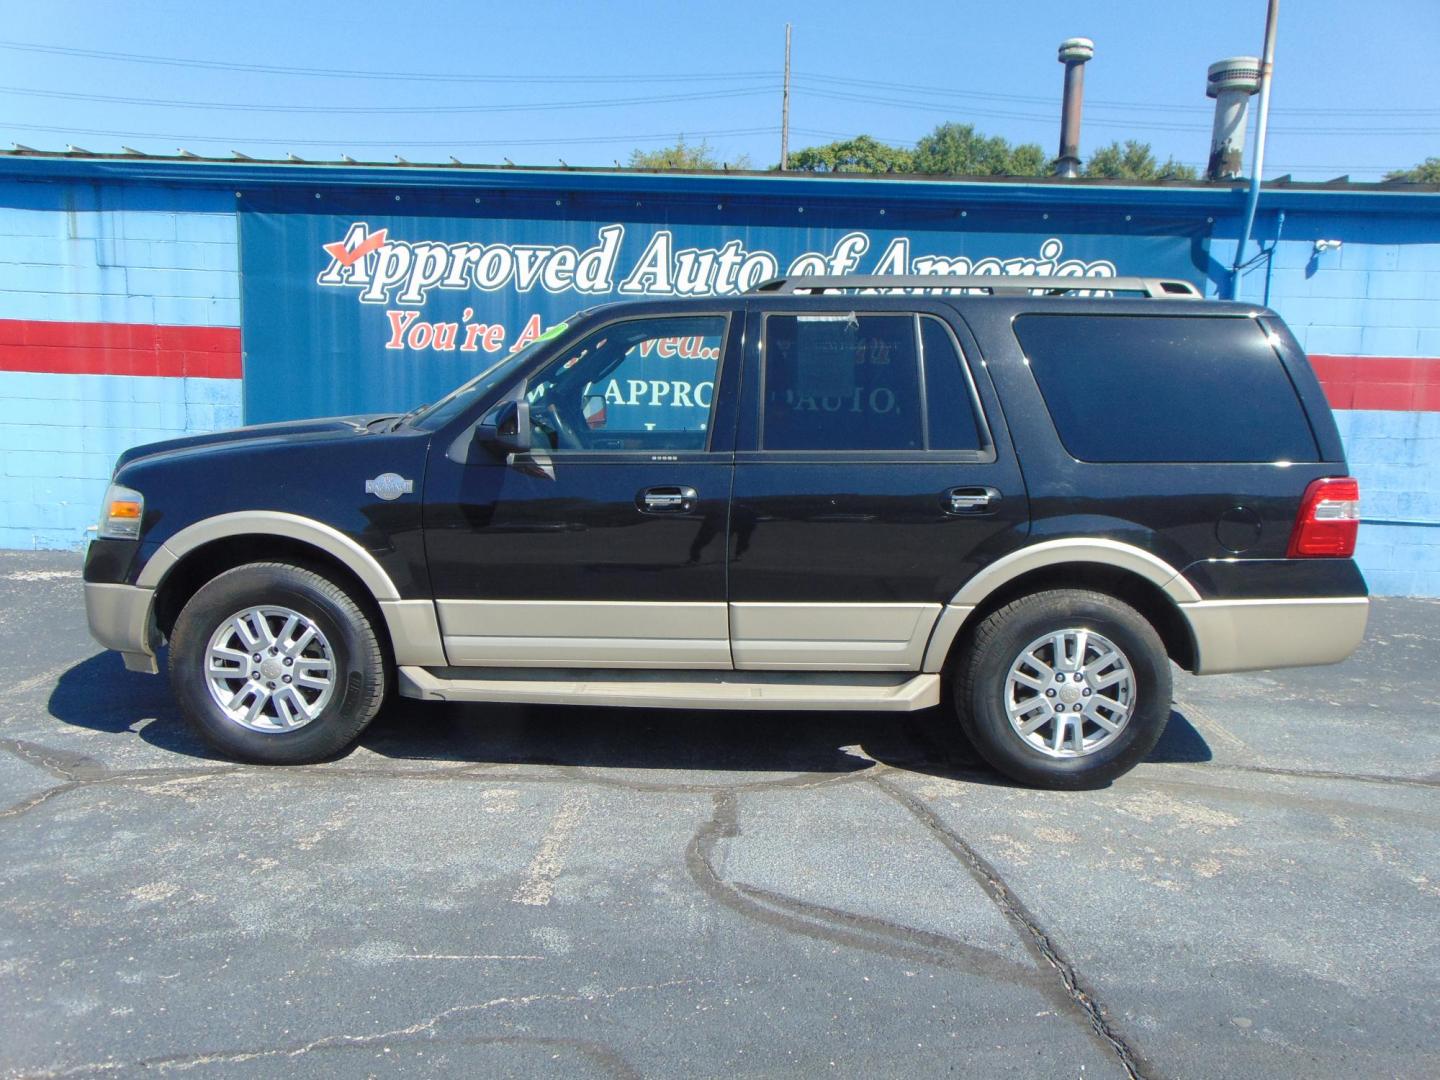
[(243, 172)]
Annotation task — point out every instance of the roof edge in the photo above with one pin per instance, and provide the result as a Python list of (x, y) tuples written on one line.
[(223, 173)]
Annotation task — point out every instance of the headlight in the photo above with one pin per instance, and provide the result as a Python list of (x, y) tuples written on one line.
[(121, 513)]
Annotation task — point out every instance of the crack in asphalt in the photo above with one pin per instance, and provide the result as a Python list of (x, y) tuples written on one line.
[(421, 1029), (467, 773), (1326, 774), (834, 925), (66, 764), (127, 776), (80, 771), (39, 798), (1280, 797), (1076, 989), (880, 936)]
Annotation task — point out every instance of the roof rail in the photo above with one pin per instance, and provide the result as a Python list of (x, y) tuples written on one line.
[(996, 285)]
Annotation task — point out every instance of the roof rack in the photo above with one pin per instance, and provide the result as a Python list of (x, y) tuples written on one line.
[(996, 285)]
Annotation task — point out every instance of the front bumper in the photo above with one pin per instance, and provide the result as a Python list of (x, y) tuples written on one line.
[(120, 618)]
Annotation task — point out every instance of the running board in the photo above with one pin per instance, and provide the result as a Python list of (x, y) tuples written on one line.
[(861, 692)]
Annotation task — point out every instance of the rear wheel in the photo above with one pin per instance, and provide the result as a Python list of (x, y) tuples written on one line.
[(1066, 688), (276, 664)]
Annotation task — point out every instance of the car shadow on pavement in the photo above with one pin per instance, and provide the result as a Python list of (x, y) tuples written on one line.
[(101, 695), (699, 740)]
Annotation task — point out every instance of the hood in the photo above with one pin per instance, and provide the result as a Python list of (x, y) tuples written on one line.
[(291, 429)]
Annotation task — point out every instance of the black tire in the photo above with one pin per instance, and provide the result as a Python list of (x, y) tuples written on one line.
[(980, 687), (359, 673)]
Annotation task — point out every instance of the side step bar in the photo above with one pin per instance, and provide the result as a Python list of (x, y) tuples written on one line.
[(867, 692)]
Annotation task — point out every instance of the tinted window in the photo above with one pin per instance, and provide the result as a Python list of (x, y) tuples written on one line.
[(949, 402), (1162, 388), (493, 377), (841, 382), (639, 384)]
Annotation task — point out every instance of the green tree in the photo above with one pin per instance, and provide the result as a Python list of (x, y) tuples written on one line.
[(1427, 172), (683, 155), (1134, 160), (1028, 159), (861, 154), (959, 150)]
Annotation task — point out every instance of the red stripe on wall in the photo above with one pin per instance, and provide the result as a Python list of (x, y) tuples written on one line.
[(1395, 383), (206, 352), (1403, 384)]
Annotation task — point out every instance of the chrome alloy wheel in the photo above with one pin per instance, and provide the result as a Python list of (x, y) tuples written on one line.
[(270, 669), (1070, 693)]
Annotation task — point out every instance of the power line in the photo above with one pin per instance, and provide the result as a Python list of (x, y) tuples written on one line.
[(541, 106), (1092, 102), (1145, 125), (1030, 99), (910, 104), (534, 141), (687, 77), (344, 73)]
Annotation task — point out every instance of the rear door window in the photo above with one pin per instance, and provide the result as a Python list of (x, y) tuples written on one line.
[(849, 381), (1143, 388), (842, 382)]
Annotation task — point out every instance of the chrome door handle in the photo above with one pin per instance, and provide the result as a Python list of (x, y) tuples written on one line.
[(971, 500), (667, 500)]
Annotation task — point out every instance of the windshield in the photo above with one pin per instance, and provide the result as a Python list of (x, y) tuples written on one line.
[(455, 402)]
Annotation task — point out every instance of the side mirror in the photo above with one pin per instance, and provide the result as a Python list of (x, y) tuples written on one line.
[(593, 409), (505, 429)]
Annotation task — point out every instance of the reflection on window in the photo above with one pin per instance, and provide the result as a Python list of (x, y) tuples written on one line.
[(949, 401), (841, 382), (641, 384), (1138, 388)]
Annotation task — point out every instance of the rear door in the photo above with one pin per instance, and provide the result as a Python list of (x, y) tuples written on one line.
[(873, 477)]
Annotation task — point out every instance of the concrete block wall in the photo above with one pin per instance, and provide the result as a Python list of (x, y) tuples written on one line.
[(119, 325), (1368, 313)]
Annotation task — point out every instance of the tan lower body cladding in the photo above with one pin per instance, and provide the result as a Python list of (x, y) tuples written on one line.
[(747, 637), (1253, 635), (1229, 635), (583, 633)]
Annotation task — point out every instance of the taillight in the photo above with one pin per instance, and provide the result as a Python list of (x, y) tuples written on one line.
[(1329, 519)]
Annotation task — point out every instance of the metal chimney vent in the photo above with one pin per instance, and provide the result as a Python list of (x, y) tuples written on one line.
[(1230, 82), (1074, 54)]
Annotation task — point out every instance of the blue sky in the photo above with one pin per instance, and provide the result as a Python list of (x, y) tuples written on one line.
[(1356, 88)]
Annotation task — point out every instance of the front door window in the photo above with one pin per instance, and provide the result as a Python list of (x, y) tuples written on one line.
[(638, 384)]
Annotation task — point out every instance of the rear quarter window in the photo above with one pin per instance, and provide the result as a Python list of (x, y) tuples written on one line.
[(1147, 388)]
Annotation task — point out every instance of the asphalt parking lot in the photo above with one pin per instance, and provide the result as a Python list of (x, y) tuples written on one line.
[(545, 891)]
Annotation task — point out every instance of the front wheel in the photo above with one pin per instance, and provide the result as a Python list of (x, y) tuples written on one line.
[(276, 664), (1066, 688)]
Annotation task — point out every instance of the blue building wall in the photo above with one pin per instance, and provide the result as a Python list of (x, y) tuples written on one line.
[(81, 259), (1376, 296), (120, 287)]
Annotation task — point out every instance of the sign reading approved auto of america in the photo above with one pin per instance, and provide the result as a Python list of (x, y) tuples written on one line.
[(368, 307)]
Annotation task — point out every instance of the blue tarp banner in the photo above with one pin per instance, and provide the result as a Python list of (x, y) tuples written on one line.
[(358, 303)]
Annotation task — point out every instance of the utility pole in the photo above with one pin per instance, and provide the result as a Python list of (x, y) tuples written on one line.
[(785, 108), (1252, 202)]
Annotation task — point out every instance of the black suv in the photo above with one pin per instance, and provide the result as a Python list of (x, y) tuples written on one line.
[(828, 493)]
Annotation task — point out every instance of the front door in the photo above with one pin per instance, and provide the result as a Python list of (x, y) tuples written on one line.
[(605, 546), (868, 484)]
